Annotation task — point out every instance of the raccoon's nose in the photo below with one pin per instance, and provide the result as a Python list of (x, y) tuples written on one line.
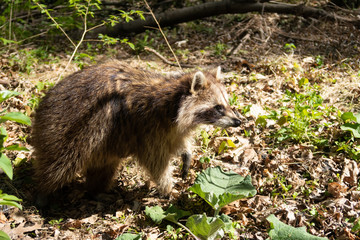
[(237, 122)]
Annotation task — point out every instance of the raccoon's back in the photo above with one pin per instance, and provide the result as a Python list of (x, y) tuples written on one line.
[(76, 114), (88, 110)]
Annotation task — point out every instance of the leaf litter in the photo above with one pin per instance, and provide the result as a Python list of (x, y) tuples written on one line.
[(301, 183)]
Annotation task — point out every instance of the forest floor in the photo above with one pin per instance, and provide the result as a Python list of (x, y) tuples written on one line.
[(291, 78)]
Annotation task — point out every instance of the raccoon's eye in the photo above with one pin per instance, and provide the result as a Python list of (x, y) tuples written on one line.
[(220, 109)]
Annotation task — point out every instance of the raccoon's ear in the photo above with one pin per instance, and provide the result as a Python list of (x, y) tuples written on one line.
[(198, 81)]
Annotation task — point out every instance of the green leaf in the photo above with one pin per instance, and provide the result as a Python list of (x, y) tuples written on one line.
[(10, 203), (4, 236), (131, 45), (352, 127), (350, 116), (3, 136), (231, 143), (282, 120), (5, 164), (356, 226), (282, 231), (10, 200), (219, 188), (222, 147), (156, 213), (6, 94), (172, 214), (16, 147), (207, 228), (16, 117), (129, 236), (262, 121)]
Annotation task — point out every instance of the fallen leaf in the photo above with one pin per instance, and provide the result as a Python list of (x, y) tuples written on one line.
[(336, 189), (350, 173)]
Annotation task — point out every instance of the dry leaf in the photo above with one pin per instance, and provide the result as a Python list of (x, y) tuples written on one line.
[(336, 189)]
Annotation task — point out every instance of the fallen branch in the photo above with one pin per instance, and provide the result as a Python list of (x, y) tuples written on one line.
[(209, 9)]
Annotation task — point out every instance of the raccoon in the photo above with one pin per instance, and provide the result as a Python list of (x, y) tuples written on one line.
[(95, 117)]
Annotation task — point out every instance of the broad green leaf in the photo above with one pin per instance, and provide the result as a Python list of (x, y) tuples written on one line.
[(16, 117), (219, 188), (5, 164), (16, 147), (352, 127), (4, 236), (228, 224), (172, 214), (6, 94), (8, 197), (10, 203), (129, 236), (207, 228), (282, 231), (350, 116), (156, 213), (10, 200)]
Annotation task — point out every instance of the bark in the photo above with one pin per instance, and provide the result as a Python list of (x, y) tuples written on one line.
[(209, 9)]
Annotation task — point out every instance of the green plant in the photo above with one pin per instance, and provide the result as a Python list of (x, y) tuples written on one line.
[(234, 100), (284, 187), (289, 47), (26, 59), (220, 49), (86, 9), (279, 230), (299, 120), (175, 234), (217, 188), (319, 61), (5, 163), (225, 145), (33, 102), (349, 144), (56, 222), (146, 41)]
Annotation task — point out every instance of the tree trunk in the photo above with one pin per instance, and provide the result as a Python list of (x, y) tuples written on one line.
[(209, 9)]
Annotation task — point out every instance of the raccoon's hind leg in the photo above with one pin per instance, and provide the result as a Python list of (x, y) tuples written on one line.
[(99, 179)]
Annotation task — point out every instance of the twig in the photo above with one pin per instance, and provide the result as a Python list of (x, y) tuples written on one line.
[(57, 25), (80, 42), (167, 42), (165, 60), (10, 19)]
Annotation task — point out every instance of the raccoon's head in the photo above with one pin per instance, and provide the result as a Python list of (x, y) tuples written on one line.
[(207, 103)]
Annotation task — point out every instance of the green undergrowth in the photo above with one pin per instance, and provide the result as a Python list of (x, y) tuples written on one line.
[(218, 188), (303, 117)]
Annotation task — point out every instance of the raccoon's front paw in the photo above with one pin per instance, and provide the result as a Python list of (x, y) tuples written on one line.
[(165, 187)]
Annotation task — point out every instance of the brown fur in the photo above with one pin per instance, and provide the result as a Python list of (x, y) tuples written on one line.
[(94, 118)]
